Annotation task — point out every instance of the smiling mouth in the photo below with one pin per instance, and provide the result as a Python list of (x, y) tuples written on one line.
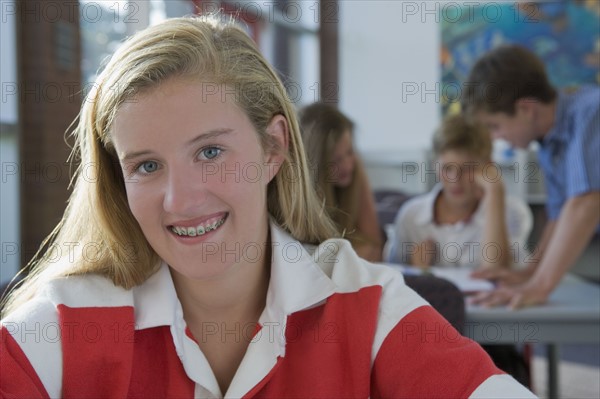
[(198, 230)]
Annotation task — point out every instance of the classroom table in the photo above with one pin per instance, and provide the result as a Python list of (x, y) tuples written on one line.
[(572, 315)]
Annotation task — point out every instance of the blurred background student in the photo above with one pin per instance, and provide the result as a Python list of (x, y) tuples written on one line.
[(567, 127), (340, 178), (466, 219)]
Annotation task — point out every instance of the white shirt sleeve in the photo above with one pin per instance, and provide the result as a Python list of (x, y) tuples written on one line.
[(395, 250), (519, 223)]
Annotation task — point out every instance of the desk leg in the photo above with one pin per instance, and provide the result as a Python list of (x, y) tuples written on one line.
[(553, 383)]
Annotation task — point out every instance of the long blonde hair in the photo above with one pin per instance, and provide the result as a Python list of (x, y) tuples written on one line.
[(98, 215), (322, 126)]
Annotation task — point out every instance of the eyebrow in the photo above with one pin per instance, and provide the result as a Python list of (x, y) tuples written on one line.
[(209, 135)]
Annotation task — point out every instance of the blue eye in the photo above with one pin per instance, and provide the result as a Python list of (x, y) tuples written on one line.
[(210, 152), (148, 167)]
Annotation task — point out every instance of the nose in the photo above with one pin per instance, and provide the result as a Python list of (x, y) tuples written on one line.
[(183, 193), (452, 173)]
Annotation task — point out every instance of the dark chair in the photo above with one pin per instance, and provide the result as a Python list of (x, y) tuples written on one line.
[(447, 299), (442, 295), (387, 204)]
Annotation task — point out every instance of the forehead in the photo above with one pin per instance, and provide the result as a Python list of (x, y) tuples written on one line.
[(457, 156), (176, 109), (343, 141), (180, 95)]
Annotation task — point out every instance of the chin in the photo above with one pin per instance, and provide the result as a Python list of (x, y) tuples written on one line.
[(457, 196), (461, 199), (205, 272)]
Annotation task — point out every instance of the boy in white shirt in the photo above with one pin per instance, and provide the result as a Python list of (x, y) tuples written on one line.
[(466, 219)]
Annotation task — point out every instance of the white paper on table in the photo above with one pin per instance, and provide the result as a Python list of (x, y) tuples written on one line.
[(461, 278)]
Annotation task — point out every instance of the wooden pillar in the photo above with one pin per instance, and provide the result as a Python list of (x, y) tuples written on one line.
[(328, 36), (49, 81)]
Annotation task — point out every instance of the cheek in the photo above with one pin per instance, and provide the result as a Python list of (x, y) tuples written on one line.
[(450, 175), (246, 191), (345, 166), (246, 179), (514, 129), (259, 174), (332, 172), (139, 202), (351, 163), (469, 187)]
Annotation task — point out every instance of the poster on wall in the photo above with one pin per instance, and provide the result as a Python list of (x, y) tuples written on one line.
[(564, 34)]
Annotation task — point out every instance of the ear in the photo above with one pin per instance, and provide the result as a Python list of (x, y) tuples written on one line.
[(278, 129)]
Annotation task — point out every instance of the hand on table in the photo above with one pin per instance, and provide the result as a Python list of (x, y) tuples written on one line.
[(516, 297), (503, 276)]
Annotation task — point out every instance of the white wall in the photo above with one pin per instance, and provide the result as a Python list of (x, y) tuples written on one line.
[(389, 74), (389, 69), (387, 49), (9, 207)]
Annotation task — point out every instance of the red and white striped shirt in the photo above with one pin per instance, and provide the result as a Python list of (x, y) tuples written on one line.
[(334, 326)]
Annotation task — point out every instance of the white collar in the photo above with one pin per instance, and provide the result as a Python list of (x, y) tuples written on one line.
[(297, 282), (425, 213)]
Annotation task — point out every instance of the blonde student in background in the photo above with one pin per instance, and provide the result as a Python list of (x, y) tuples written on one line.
[(467, 219), (208, 283), (340, 177)]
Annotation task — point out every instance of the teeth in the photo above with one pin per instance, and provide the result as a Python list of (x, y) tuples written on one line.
[(198, 230)]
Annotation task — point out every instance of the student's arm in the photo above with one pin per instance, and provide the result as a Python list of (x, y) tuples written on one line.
[(532, 264), (368, 225), (495, 235), (567, 239), (519, 276), (424, 254), (519, 223), (574, 229)]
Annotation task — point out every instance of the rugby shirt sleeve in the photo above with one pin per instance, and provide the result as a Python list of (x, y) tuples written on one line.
[(423, 356), (18, 379)]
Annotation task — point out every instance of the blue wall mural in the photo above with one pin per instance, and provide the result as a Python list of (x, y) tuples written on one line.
[(564, 34)]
